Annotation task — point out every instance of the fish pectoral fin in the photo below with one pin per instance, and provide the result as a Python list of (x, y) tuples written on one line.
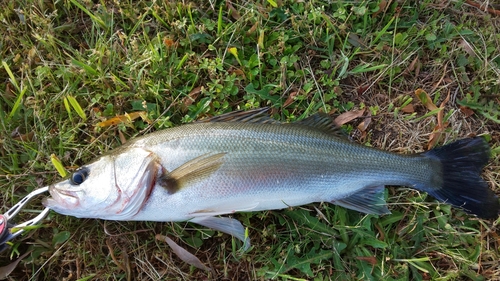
[(192, 171), (368, 200), (227, 225)]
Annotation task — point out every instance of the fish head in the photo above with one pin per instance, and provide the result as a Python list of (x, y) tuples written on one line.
[(113, 187)]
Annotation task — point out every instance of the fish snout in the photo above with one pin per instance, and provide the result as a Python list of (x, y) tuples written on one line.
[(61, 198)]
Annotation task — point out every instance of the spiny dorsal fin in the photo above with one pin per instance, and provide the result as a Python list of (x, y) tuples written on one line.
[(192, 171), (258, 115), (322, 122), (318, 121)]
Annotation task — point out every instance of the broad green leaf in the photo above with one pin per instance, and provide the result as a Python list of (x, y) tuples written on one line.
[(60, 238)]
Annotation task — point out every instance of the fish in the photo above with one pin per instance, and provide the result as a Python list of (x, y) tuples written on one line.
[(245, 161)]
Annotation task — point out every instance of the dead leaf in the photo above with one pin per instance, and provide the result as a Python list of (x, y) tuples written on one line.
[(436, 135), (408, 108), (441, 112), (238, 72), (25, 137), (9, 91), (168, 42), (362, 89), (125, 118), (440, 79), (414, 66), (290, 99), (425, 99), (253, 28), (123, 140), (234, 13), (370, 260), (466, 46), (364, 125), (439, 129), (191, 97), (348, 116), (381, 8), (5, 271), (466, 111), (183, 254), (380, 232), (411, 67)]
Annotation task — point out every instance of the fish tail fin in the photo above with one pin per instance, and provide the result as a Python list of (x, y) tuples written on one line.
[(460, 183)]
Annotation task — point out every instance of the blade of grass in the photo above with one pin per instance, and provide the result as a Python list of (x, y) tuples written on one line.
[(76, 106), (57, 164), (85, 67), (11, 76), (17, 104), (96, 19)]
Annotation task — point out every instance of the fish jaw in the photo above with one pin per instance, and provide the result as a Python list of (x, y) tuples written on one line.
[(61, 200)]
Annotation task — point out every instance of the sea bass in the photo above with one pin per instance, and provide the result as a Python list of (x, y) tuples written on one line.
[(246, 162)]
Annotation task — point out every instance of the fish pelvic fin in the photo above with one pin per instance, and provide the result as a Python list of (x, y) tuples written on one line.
[(368, 200), (192, 171), (227, 225), (460, 183)]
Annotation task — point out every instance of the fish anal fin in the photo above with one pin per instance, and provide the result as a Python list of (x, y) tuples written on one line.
[(323, 122), (368, 200), (192, 171), (227, 225), (258, 115)]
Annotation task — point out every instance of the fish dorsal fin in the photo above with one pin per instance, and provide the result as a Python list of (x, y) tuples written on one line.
[(323, 122), (190, 172), (258, 115), (368, 200)]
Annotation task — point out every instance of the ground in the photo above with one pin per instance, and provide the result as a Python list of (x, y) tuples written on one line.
[(81, 77)]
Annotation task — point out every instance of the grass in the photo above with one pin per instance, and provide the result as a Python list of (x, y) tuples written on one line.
[(68, 65)]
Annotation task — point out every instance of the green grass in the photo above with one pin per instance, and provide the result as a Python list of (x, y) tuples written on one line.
[(68, 65)]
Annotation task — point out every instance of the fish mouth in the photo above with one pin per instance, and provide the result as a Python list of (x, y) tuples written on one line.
[(60, 198)]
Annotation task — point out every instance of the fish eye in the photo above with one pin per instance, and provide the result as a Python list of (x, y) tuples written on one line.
[(79, 176)]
